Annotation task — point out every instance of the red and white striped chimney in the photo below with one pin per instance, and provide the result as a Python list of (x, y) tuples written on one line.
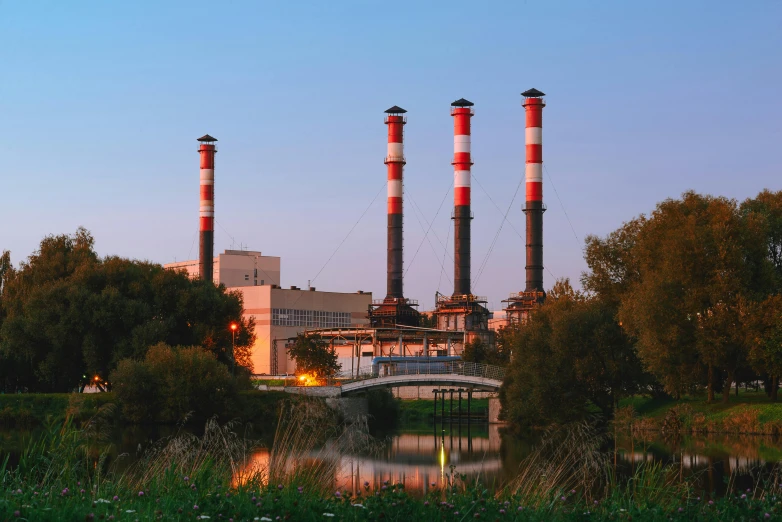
[(207, 151), (395, 161), (462, 162), (533, 208)]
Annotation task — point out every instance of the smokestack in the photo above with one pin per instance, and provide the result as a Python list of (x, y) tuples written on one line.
[(461, 112), (533, 105), (206, 150), (395, 161)]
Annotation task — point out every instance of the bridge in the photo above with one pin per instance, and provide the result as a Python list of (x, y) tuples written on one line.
[(475, 376)]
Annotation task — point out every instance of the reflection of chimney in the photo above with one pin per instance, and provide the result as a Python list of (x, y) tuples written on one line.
[(533, 104), (395, 161), (461, 112), (206, 228)]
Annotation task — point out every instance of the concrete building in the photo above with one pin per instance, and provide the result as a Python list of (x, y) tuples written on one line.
[(280, 313), (236, 268)]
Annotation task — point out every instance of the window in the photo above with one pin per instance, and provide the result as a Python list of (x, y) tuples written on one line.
[(310, 318), (246, 277)]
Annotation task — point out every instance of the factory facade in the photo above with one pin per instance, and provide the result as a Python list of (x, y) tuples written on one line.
[(280, 313)]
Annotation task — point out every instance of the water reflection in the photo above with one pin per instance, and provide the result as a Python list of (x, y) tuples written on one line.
[(713, 463)]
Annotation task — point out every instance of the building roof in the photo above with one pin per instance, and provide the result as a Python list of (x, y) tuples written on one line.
[(532, 93), (395, 110), (461, 102), (206, 137)]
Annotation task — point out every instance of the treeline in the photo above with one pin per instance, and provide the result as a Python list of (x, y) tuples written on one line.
[(68, 315), (684, 300)]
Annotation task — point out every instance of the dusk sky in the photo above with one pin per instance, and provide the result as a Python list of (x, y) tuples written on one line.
[(101, 104)]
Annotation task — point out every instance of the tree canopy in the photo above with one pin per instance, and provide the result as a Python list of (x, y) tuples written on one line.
[(313, 356), (67, 314)]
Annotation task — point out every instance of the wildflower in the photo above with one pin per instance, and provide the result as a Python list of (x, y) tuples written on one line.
[(186, 478), (434, 484), (456, 513), (338, 494), (65, 491), (572, 491), (258, 505), (680, 510), (203, 516), (359, 506), (279, 486), (393, 504), (18, 491), (595, 502), (17, 514), (130, 511), (502, 511), (328, 514), (711, 502), (195, 507), (743, 496), (301, 489), (103, 501), (366, 484), (111, 517), (35, 493), (748, 490), (426, 503), (141, 493), (767, 515), (78, 483), (520, 509), (384, 487), (563, 498), (385, 483)]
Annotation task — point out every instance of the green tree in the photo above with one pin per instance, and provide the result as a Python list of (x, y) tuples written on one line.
[(68, 313), (313, 356), (172, 384), (764, 332), (570, 361)]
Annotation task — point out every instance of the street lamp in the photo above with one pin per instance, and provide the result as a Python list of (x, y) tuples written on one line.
[(234, 327)]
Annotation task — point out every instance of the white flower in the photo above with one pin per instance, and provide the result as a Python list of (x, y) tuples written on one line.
[(103, 501), (130, 511), (359, 505), (328, 514), (265, 519), (203, 516)]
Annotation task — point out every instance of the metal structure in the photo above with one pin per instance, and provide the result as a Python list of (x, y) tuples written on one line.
[(520, 304), (206, 150), (395, 309), (475, 376)]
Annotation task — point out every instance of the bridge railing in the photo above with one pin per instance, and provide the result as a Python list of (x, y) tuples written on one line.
[(397, 368)]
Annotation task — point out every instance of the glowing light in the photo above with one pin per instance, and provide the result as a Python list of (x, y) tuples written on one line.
[(234, 326), (442, 460), (97, 378)]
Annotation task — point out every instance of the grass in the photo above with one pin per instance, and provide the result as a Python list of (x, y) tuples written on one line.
[(422, 410), (64, 476), (749, 413)]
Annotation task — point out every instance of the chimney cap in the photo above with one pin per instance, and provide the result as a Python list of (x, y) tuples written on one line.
[(206, 137), (532, 93), (396, 109), (461, 102)]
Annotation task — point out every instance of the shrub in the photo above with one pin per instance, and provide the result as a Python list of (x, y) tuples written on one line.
[(172, 383), (743, 420)]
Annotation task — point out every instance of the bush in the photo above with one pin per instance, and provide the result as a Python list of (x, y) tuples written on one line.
[(171, 384)]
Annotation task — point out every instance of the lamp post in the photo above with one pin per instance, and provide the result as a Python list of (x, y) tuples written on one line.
[(234, 327)]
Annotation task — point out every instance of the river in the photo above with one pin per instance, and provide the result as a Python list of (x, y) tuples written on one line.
[(419, 458)]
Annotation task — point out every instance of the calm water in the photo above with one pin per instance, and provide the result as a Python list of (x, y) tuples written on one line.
[(419, 458)]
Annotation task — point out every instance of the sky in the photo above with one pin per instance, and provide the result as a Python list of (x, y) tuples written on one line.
[(101, 104)]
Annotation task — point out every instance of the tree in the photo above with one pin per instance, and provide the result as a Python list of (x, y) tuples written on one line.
[(313, 356), (172, 383), (478, 351), (571, 360), (68, 313), (764, 330)]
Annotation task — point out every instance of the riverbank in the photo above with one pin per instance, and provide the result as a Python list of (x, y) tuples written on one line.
[(749, 413), (27, 410), (422, 410)]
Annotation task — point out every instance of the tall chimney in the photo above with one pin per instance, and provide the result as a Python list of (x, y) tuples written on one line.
[(461, 112), (533, 105), (206, 150), (395, 161)]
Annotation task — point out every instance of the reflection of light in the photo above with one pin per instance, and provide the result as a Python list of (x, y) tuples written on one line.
[(442, 460), (256, 467)]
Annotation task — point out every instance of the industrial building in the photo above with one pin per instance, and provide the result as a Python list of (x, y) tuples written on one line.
[(356, 326)]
